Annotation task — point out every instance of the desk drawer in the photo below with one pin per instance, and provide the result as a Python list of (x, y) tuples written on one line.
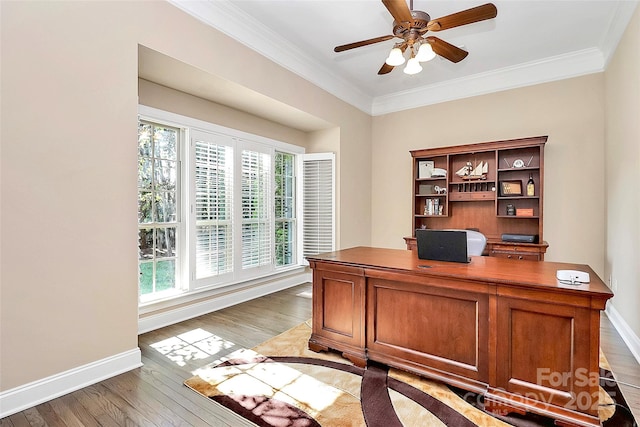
[(518, 251), (516, 255)]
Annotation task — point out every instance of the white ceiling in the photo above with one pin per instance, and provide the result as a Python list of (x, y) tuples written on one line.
[(529, 42)]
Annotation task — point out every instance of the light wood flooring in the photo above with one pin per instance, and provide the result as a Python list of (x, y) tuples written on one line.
[(154, 395)]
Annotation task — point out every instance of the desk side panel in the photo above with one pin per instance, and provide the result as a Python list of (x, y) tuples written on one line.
[(545, 353), (338, 311)]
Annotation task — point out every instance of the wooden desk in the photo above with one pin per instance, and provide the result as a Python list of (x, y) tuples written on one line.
[(496, 326)]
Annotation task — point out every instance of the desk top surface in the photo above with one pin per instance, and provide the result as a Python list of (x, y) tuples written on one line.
[(537, 274)]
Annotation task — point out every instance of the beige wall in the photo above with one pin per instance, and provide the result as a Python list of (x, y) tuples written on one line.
[(69, 106), (622, 84), (68, 169), (570, 112), (168, 99)]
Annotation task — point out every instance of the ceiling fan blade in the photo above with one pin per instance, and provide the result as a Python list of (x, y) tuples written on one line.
[(469, 16), (362, 43), (447, 50), (400, 11), (386, 69)]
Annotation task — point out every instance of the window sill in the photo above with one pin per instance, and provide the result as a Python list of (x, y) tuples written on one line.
[(179, 298)]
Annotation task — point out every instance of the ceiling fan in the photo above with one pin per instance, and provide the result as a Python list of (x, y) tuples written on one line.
[(412, 25)]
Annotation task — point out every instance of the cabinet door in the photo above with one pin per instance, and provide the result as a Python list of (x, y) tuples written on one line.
[(338, 311), (438, 327), (548, 352)]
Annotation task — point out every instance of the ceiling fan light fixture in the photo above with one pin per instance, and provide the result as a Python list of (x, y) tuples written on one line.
[(425, 52), (395, 57), (412, 25), (413, 66)]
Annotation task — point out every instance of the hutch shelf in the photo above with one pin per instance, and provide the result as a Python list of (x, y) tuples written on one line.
[(483, 187)]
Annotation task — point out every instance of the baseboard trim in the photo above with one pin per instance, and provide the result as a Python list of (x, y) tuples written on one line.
[(218, 302), (627, 334), (32, 394)]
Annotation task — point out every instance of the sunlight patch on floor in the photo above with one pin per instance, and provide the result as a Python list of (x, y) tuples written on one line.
[(197, 344), (305, 294), (271, 379)]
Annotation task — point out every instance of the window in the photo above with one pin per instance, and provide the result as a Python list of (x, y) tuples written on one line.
[(256, 212), (227, 213), (158, 213), (213, 213), (285, 209)]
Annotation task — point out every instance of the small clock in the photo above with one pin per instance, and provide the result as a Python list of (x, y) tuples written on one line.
[(518, 163)]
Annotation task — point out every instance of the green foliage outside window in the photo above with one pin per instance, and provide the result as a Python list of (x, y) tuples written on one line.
[(285, 209), (157, 206)]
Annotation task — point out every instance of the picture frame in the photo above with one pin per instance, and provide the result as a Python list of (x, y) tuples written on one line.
[(424, 168), (511, 188), (426, 189)]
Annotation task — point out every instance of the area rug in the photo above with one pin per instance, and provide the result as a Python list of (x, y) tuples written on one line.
[(282, 383)]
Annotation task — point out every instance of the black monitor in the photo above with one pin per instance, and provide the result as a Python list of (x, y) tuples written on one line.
[(442, 245)]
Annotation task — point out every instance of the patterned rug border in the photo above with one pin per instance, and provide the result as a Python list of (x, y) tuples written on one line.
[(376, 383)]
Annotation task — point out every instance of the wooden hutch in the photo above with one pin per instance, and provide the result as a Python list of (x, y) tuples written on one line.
[(492, 198)]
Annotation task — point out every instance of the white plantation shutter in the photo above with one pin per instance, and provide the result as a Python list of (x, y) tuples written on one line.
[(213, 204), (318, 203), (256, 208), (226, 207)]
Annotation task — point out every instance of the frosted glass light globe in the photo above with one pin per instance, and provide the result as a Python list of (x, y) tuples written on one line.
[(395, 57), (425, 52), (413, 66)]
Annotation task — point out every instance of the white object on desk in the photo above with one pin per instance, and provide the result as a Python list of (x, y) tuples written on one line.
[(572, 276)]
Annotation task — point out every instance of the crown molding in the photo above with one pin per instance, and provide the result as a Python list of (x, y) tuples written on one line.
[(230, 20), (560, 67), (616, 28), (531, 73)]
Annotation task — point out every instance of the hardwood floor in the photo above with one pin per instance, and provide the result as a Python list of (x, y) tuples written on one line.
[(625, 367), (154, 395)]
